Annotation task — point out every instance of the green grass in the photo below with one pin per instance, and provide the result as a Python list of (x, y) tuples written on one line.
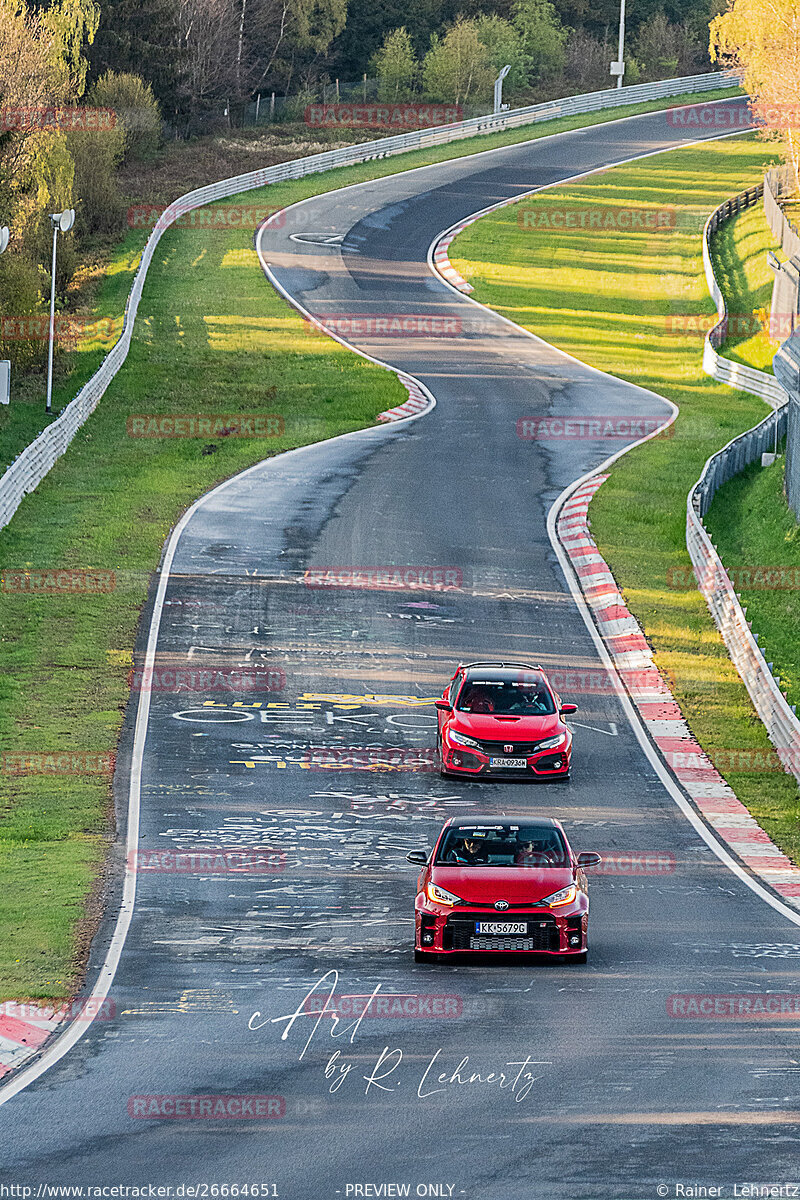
[(623, 301), (739, 256), (211, 336)]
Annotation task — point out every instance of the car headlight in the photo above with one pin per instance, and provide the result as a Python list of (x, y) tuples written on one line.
[(461, 739), (565, 896), (440, 896), (552, 742)]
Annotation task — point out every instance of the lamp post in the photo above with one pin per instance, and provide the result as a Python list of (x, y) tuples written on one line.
[(62, 223), (618, 67), (498, 89)]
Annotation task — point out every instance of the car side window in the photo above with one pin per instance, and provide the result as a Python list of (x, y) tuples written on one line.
[(453, 692)]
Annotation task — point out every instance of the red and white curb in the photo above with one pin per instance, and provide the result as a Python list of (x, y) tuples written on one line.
[(660, 714), (417, 402), (442, 262), (23, 1029)]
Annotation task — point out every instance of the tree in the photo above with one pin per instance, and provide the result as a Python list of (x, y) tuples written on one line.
[(505, 48), (762, 38), (141, 37), (457, 68), (396, 65), (543, 36)]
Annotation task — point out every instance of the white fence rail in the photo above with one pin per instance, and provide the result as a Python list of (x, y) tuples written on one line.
[(31, 466), (736, 375), (782, 726)]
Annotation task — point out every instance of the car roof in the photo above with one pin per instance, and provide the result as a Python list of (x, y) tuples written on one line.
[(513, 819), (500, 672)]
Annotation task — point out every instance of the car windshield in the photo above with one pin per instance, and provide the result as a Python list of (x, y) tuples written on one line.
[(504, 845), (506, 697)]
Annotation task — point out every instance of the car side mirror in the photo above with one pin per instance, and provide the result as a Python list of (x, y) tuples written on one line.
[(443, 706), (568, 708), (418, 856), (589, 859)]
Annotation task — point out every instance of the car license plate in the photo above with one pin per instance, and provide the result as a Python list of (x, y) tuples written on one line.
[(516, 763), (503, 928)]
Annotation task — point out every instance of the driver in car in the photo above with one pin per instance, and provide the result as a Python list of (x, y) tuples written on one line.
[(470, 852), (533, 852)]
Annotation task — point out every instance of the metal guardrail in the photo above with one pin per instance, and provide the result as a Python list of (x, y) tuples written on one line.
[(30, 467), (779, 183), (778, 716), (735, 374), (780, 721)]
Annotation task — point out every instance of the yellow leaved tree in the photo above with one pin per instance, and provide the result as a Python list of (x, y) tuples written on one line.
[(762, 38)]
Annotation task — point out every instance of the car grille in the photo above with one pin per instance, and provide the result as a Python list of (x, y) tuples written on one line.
[(521, 749), (459, 933)]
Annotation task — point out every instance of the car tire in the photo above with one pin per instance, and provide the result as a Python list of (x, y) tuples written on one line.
[(580, 959), (424, 956)]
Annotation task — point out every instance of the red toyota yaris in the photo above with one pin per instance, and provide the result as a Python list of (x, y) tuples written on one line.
[(503, 719), (509, 885)]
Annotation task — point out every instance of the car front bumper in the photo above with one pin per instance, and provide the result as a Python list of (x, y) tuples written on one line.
[(454, 930)]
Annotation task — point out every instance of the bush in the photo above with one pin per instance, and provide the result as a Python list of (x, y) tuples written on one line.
[(98, 204), (137, 112), (20, 296)]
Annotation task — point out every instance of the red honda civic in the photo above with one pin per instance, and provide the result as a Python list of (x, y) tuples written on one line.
[(511, 885), (503, 719)]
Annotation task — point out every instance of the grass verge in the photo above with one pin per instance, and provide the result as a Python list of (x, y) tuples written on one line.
[(626, 308), (211, 337), (739, 256)]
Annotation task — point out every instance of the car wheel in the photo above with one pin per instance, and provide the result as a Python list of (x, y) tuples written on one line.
[(578, 958), (424, 956)]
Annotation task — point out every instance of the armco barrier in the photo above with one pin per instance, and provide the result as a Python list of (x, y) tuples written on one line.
[(30, 467), (734, 374), (763, 687), (780, 182), (782, 726)]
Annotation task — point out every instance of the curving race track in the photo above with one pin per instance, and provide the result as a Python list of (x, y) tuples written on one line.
[(611, 1096)]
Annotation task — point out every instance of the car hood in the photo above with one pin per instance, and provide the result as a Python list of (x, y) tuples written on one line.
[(518, 885), (511, 729)]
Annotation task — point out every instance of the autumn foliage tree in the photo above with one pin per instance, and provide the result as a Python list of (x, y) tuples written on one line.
[(762, 38)]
